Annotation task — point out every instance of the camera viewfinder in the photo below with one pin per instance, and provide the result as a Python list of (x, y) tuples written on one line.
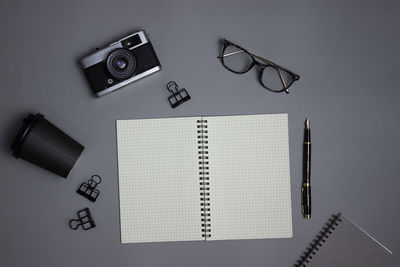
[(131, 41)]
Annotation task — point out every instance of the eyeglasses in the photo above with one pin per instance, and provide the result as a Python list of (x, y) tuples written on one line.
[(272, 77)]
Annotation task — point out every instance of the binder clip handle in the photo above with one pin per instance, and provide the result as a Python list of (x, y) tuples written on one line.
[(77, 224), (174, 85), (94, 181)]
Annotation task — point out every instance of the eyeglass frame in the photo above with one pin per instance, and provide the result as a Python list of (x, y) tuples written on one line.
[(266, 63)]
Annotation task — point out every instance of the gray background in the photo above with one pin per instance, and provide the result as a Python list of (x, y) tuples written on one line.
[(346, 53)]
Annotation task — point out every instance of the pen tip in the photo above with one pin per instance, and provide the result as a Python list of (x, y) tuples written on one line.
[(307, 123)]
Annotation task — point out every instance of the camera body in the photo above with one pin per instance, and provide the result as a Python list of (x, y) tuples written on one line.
[(120, 63)]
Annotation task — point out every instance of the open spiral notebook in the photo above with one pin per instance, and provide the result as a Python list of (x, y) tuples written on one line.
[(204, 178)]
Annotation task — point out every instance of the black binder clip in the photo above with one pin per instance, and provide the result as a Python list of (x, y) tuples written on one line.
[(88, 190), (178, 96), (85, 220)]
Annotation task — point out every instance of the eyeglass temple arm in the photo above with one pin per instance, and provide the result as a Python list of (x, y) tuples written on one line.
[(282, 80), (231, 54), (276, 65)]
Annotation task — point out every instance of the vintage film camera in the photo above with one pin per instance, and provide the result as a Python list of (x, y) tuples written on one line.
[(120, 63)]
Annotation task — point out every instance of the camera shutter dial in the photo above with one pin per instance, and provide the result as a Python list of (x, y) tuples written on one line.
[(121, 63)]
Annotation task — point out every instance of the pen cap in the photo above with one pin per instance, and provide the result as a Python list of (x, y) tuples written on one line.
[(43, 144)]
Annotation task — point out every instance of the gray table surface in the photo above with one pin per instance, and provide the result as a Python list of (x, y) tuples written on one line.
[(346, 53)]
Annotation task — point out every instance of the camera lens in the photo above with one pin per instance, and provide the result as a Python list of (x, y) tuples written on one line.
[(121, 63)]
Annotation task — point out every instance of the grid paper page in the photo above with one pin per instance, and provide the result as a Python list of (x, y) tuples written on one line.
[(158, 180), (249, 177)]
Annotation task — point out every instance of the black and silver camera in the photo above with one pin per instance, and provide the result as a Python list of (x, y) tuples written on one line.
[(120, 63)]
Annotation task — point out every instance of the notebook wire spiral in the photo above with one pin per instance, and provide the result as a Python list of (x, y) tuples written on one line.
[(202, 141), (324, 234)]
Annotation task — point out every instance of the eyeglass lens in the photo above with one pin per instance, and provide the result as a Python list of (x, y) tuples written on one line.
[(276, 79), (237, 60)]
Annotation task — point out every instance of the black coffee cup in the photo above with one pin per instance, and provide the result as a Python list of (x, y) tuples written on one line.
[(43, 144)]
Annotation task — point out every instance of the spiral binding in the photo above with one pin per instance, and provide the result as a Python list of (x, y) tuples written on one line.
[(202, 141), (319, 240)]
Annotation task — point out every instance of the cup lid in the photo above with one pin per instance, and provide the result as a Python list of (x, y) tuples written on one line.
[(27, 124)]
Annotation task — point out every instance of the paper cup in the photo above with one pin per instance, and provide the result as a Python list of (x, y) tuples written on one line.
[(43, 144)]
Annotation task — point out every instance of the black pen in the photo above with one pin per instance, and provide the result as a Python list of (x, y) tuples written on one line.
[(306, 186)]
